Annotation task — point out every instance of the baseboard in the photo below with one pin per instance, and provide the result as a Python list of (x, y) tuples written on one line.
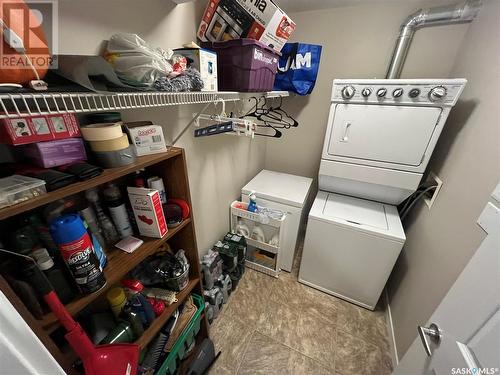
[(390, 331)]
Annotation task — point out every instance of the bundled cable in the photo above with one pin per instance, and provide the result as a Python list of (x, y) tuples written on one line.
[(414, 198)]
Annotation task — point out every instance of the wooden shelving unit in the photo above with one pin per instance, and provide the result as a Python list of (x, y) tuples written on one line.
[(171, 166), (107, 176)]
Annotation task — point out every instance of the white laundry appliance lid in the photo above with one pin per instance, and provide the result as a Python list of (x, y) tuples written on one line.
[(359, 214), (279, 187)]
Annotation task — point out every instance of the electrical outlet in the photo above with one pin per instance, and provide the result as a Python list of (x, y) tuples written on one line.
[(432, 179)]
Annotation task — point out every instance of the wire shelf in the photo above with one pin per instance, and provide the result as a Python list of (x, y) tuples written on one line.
[(30, 104)]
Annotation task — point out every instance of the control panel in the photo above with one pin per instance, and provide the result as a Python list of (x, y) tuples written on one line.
[(398, 91)]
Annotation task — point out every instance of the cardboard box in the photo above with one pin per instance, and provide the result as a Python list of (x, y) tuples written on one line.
[(38, 128), (148, 211), (54, 153), (256, 19), (146, 137), (205, 62)]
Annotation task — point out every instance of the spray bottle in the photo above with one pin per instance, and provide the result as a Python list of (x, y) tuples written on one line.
[(252, 205)]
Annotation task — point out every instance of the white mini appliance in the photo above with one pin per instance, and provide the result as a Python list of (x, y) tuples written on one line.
[(380, 136), (283, 192)]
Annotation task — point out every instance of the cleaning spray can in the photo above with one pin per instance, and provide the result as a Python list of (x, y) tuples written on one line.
[(76, 248)]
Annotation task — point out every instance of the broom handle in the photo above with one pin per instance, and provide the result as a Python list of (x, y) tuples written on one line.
[(60, 311)]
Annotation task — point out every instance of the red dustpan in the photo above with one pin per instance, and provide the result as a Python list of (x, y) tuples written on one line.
[(112, 359)]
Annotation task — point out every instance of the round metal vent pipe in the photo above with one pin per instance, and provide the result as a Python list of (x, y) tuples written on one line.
[(443, 15)]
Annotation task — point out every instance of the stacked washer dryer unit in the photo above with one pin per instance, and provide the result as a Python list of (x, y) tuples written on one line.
[(381, 134)]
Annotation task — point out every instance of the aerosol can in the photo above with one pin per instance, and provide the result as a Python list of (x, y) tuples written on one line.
[(75, 245)]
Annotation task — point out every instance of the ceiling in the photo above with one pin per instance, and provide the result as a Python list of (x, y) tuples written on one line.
[(290, 6)]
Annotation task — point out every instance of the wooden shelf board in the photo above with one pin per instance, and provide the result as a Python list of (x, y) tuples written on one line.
[(160, 321), (119, 263), (106, 176)]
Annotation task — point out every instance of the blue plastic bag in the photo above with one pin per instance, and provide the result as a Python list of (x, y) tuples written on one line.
[(298, 68)]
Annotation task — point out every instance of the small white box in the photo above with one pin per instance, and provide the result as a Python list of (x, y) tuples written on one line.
[(148, 211), (146, 137), (205, 62)]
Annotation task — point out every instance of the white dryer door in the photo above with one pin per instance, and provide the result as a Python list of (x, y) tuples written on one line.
[(381, 133)]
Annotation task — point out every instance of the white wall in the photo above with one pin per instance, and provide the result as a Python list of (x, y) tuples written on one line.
[(219, 166), (467, 158), (357, 43)]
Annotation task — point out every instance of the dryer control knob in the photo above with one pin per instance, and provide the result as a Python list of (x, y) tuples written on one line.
[(381, 92), (348, 92), (414, 93), (366, 92), (437, 93), (397, 92)]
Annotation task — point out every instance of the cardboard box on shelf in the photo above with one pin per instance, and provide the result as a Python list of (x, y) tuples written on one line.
[(256, 19), (148, 211), (38, 128), (205, 62), (54, 153), (146, 137)]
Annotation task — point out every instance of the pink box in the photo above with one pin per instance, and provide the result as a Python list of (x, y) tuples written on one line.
[(38, 128), (54, 153)]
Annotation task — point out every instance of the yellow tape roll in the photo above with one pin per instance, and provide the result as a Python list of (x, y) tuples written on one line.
[(102, 132), (110, 144)]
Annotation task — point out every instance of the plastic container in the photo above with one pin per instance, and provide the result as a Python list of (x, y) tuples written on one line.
[(24, 240), (245, 65), (56, 278), (134, 320), (16, 189), (117, 210), (186, 339), (122, 333), (98, 241), (108, 229), (178, 283), (236, 276), (230, 254), (117, 300), (141, 306)]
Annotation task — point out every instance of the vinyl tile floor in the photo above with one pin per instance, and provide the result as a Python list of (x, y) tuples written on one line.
[(279, 326)]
